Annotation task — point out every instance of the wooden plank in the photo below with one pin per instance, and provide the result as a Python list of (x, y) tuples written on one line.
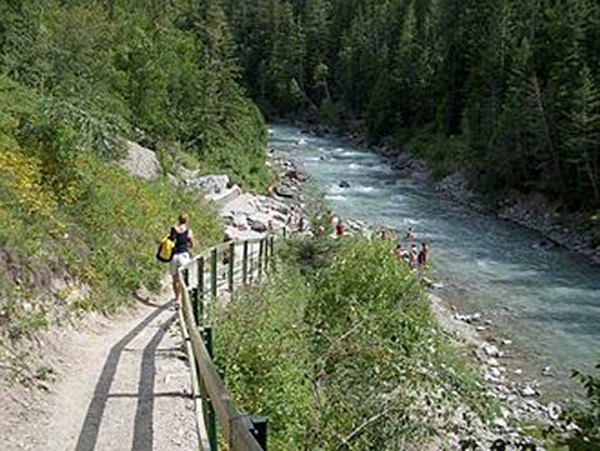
[(233, 426), (203, 441)]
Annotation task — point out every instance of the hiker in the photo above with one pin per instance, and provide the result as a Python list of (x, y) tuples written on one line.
[(423, 255), (413, 257), (184, 241)]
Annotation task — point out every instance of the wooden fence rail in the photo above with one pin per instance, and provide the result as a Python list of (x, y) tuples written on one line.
[(214, 406)]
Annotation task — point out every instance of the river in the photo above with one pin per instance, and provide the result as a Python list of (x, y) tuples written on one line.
[(546, 301)]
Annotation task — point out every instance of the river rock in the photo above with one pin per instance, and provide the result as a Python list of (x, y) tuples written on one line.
[(285, 192), (344, 184), (528, 390), (491, 350), (547, 372), (501, 424), (257, 225), (554, 411)]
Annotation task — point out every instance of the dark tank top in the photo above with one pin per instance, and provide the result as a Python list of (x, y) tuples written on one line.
[(181, 241)]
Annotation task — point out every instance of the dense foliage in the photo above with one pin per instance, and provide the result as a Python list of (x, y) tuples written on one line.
[(507, 88), (160, 73), (340, 351)]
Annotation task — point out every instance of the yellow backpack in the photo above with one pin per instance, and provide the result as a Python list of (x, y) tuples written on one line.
[(166, 248)]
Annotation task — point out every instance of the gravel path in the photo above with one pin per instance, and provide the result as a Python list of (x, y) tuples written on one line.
[(120, 384)]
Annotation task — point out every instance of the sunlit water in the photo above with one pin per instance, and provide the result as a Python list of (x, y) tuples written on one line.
[(546, 300)]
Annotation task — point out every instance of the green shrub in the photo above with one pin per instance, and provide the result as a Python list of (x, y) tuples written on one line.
[(348, 337), (262, 348)]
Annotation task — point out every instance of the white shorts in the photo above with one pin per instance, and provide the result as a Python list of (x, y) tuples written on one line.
[(178, 261)]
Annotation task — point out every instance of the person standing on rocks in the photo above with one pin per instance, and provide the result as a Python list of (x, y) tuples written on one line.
[(184, 241)]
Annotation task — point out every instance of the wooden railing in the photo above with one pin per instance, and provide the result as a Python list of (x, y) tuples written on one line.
[(230, 265)]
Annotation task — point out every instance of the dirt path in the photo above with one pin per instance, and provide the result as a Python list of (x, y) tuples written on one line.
[(121, 384)]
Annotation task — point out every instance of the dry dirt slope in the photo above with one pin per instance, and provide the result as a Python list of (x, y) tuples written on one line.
[(120, 384)]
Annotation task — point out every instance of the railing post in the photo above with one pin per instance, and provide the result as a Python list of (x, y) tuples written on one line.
[(272, 239), (212, 418), (267, 257), (250, 263), (231, 265), (199, 310), (186, 277), (261, 251), (259, 430), (245, 264), (213, 273)]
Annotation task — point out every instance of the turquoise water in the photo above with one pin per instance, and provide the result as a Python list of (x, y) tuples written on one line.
[(546, 300)]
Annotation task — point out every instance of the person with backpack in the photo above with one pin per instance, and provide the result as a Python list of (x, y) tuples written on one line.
[(182, 239)]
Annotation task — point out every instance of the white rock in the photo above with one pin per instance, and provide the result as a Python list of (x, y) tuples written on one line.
[(495, 372), (554, 411), (501, 423), (547, 372), (518, 371), (140, 162), (528, 391), (493, 362), (491, 350)]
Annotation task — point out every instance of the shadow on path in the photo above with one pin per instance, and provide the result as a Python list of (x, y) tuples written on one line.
[(143, 435), (91, 426)]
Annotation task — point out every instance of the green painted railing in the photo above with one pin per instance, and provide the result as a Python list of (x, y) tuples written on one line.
[(213, 404)]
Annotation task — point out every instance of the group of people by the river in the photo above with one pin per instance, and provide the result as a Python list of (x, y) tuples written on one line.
[(417, 259)]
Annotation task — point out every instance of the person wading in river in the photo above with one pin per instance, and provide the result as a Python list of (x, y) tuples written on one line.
[(184, 241)]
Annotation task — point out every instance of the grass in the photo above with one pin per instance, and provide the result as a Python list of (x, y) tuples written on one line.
[(340, 351)]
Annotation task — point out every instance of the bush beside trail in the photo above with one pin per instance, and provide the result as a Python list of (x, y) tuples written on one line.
[(347, 355)]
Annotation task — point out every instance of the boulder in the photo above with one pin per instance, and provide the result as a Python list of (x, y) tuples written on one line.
[(211, 185), (257, 225), (285, 192), (140, 162), (344, 184)]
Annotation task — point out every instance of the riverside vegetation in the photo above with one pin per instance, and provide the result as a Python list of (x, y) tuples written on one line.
[(340, 350)]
